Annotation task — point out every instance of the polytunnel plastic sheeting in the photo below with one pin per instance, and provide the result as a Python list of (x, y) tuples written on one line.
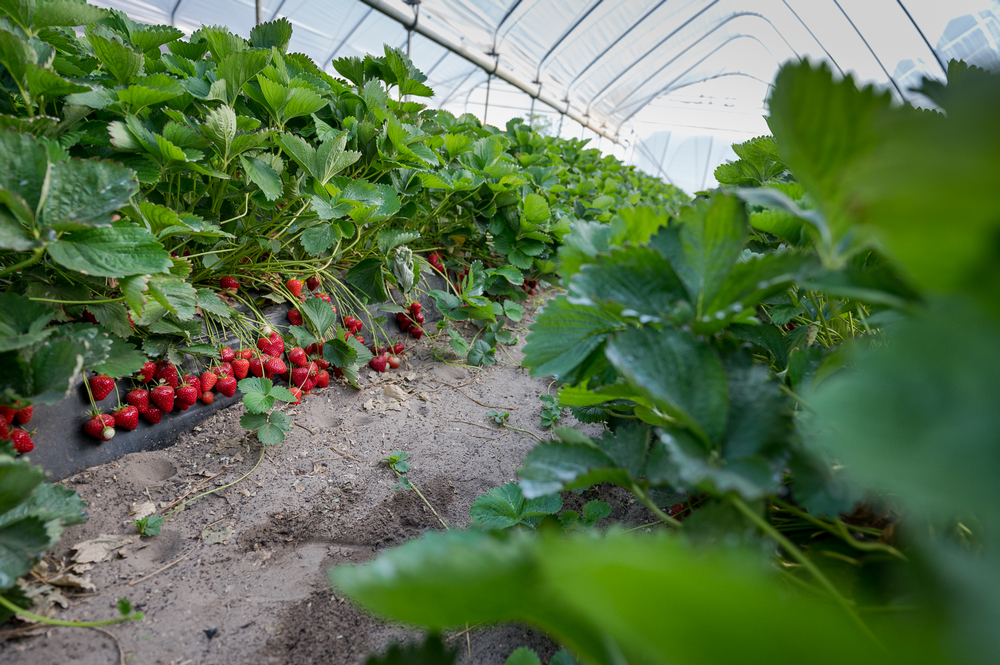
[(673, 82)]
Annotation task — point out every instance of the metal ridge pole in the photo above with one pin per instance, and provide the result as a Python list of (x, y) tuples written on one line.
[(486, 63)]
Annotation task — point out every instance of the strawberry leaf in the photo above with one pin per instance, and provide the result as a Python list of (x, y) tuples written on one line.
[(504, 507)]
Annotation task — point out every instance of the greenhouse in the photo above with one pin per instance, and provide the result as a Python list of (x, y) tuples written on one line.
[(509, 332)]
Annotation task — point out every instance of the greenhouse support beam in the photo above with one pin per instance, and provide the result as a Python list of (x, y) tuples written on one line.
[(486, 63)]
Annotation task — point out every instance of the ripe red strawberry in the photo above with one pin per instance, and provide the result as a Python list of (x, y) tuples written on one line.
[(299, 376), (264, 344), (228, 283), (308, 385), (100, 426), (338, 372), (153, 415), (8, 414), (165, 371), (139, 398), (275, 366), (298, 357), (246, 354), (226, 386), (378, 363), (256, 367), (398, 348), (101, 386), (163, 397), (322, 364), (312, 283), (323, 296), (295, 317), (240, 368), (360, 339), (417, 331), (4, 431), (296, 393), (294, 286), (192, 379), (88, 317), (187, 394), (147, 372), (182, 406), (127, 417), (22, 441), (208, 398), (393, 362), (223, 369), (322, 379), (23, 415), (227, 354), (207, 380), (419, 318), (415, 307), (277, 344)]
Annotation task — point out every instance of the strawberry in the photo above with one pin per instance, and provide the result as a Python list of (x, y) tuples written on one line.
[(393, 362), (23, 415), (22, 441), (207, 380), (312, 283), (126, 417), (415, 307), (322, 364), (264, 344), (297, 356), (88, 317), (308, 385), (227, 354), (8, 414), (398, 348), (311, 349), (224, 369), (360, 338), (187, 394), (323, 296), (246, 354), (139, 398), (100, 426), (277, 344), (256, 368), (294, 287), (322, 379), (299, 376), (163, 397), (296, 393), (229, 284), (240, 368), (147, 372), (101, 386), (275, 366), (378, 363), (338, 372), (226, 386), (295, 317), (153, 415), (417, 331), (165, 371), (419, 318), (208, 398), (192, 379), (182, 406), (4, 431)]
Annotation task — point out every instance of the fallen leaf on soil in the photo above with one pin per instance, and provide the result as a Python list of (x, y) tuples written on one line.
[(98, 549), (217, 534), (71, 580), (142, 510), (393, 391)]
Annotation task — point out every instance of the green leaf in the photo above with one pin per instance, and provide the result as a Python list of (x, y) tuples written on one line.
[(564, 335), (431, 652), (366, 280), (682, 376), (82, 194), (177, 295), (272, 34), (110, 252), (390, 239), (320, 314), (536, 208), (594, 596), (557, 466), (209, 301), (594, 511), (123, 360), (21, 543), (256, 402), (18, 478), (22, 321), (523, 656), (121, 61), (481, 354), (236, 68), (274, 431), (262, 175), (48, 376), (318, 239), (505, 506), (252, 421)]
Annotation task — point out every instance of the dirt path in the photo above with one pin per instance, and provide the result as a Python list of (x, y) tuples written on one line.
[(261, 595)]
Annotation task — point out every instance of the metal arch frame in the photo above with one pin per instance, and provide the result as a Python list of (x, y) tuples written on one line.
[(566, 33), (173, 12), (920, 32), (343, 41), (720, 24), (815, 38), (458, 86), (612, 45), (275, 13), (850, 21), (708, 55), (496, 30)]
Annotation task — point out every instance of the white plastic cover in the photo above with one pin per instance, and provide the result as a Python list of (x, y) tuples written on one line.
[(670, 84)]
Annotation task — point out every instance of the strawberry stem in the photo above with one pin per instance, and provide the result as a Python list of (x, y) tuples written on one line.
[(90, 395)]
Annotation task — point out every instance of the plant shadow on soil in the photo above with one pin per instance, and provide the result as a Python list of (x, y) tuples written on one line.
[(321, 498)]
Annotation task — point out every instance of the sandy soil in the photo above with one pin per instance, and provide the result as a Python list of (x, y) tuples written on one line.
[(261, 595)]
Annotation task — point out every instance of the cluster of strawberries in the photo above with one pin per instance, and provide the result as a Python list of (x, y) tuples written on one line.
[(411, 322), (20, 437), (529, 285), (386, 357)]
